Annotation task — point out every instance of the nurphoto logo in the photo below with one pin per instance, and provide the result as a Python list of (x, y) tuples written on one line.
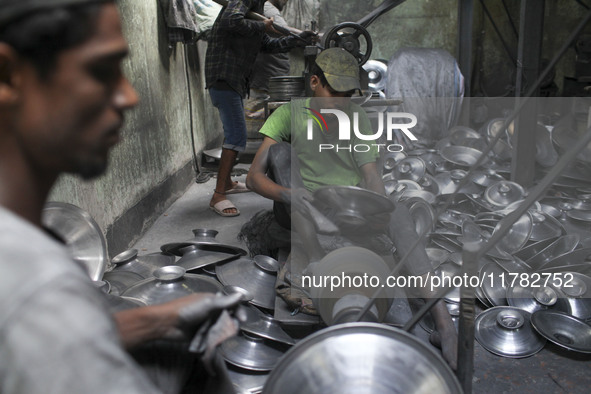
[(388, 121)]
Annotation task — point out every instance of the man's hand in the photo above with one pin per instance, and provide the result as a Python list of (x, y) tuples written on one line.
[(178, 319), (270, 29), (298, 198), (195, 309), (307, 37)]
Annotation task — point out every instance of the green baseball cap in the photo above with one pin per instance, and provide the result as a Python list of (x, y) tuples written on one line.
[(11, 10), (340, 69)]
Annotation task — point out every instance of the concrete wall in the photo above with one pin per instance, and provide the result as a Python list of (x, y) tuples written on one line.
[(152, 166)]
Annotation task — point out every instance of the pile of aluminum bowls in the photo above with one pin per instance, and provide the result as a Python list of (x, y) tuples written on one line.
[(203, 264), (540, 271)]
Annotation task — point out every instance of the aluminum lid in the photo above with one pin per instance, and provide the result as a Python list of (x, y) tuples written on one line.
[(142, 265), (507, 332), (170, 283), (251, 352), (269, 328), (532, 299), (121, 280), (413, 168), (503, 193), (256, 275)]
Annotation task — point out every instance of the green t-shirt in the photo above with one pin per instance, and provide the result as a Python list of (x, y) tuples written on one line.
[(338, 162)]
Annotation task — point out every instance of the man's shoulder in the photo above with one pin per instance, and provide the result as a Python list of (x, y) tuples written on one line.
[(29, 258), (22, 238)]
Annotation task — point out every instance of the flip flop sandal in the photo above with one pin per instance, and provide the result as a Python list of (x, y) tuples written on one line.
[(224, 204), (240, 187)]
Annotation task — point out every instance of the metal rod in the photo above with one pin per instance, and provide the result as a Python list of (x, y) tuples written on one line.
[(583, 4), (510, 19), (467, 315), (531, 23), (465, 25), (386, 6)]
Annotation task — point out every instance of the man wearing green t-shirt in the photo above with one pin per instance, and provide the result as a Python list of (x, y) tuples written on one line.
[(302, 151)]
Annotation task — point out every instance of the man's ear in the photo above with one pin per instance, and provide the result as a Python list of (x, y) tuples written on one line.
[(314, 81), (9, 77)]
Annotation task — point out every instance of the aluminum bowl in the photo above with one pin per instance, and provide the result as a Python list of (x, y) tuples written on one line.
[(545, 226), (517, 236), (458, 134), (450, 181), (422, 214), (361, 358), (560, 247), (577, 288), (80, 232), (354, 204), (461, 155), (530, 250), (576, 257), (564, 330)]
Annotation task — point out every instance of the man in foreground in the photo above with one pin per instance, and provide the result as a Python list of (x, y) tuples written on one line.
[(334, 78), (62, 102)]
